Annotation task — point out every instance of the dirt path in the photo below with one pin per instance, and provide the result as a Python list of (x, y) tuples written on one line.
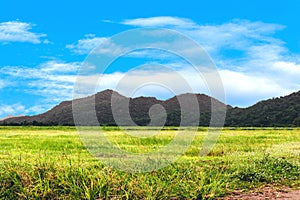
[(267, 193)]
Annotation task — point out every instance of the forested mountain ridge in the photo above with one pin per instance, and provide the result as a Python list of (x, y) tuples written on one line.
[(283, 111)]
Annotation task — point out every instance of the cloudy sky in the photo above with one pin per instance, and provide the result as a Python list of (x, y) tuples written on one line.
[(254, 45)]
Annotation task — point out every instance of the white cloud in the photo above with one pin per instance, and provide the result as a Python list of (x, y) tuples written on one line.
[(13, 109), (51, 80), (84, 46), (2, 84), (14, 31), (289, 68), (235, 34), (241, 89), (18, 109), (149, 82), (244, 89), (59, 67), (253, 63), (160, 21)]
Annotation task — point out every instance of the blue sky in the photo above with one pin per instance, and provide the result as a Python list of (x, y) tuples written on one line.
[(255, 46)]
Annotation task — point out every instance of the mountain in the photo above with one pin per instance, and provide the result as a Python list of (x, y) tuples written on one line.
[(283, 111), (138, 111)]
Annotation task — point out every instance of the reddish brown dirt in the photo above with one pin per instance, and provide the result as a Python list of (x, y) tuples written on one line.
[(266, 193)]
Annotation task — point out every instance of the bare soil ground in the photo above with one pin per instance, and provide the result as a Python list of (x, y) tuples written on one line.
[(266, 193)]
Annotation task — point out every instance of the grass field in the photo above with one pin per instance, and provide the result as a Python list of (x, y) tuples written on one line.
[(52, 163)]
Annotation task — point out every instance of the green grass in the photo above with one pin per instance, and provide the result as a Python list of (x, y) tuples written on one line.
[(52, 163)]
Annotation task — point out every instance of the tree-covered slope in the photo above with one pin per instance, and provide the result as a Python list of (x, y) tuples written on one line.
[(283, 111)]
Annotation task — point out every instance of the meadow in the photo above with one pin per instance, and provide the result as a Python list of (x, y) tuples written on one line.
[(53, 163)]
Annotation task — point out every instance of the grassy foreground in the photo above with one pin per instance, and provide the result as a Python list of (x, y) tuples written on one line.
[(52, 163)]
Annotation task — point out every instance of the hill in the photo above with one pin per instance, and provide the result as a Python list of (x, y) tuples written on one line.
[(138, 110), (283, 111)]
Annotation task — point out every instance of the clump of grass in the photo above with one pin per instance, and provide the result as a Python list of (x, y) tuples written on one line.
[(270, 170), (95, 181)]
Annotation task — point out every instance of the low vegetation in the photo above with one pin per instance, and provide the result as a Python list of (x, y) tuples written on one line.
[(52, 163)]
